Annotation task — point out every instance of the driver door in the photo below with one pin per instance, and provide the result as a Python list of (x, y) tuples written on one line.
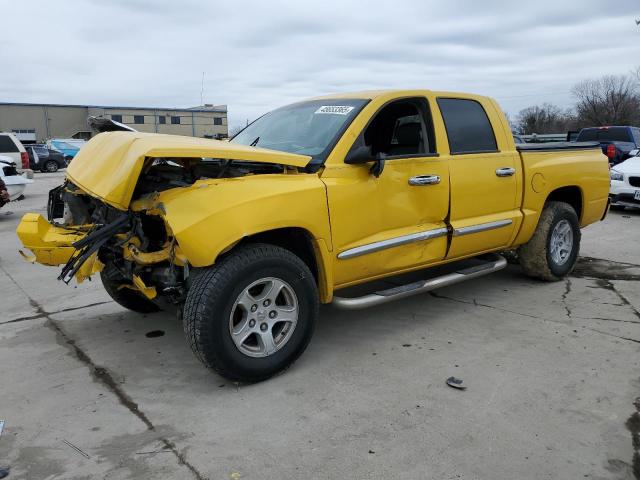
[(394, 222)]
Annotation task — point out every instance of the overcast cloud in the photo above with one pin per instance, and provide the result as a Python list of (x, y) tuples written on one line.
[(258, 55)]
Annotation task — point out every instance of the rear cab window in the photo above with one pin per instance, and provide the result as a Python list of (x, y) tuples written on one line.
[(468, 127), (606, 134)]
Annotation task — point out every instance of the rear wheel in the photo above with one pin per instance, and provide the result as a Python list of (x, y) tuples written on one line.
[(50, 166), (127, 297), (553, 250), (252, 314)]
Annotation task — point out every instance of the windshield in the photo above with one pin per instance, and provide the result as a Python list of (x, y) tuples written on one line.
[(307, 128)]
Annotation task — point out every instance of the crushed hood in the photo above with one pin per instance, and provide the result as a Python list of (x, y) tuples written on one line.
[(109, 165)]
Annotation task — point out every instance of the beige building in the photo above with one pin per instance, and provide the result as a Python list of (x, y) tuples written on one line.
[(39, 122)]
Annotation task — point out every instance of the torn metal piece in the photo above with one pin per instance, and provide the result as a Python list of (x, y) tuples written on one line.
[(456, 383)]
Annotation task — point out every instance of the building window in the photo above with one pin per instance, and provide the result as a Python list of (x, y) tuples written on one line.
[(116, 118), (175, 120), (217, 120), (162, 119), (138, 119)]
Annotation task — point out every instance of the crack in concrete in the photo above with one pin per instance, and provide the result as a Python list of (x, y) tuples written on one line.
[(612, 335), (608, 319), (607, 284), (103, 376), (436, 295), (45, 313), (567, 291)]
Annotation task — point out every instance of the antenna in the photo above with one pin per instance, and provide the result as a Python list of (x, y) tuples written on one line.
[(202, 90)]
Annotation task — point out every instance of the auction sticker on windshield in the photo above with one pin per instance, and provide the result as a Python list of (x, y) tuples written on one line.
[(335, 109)]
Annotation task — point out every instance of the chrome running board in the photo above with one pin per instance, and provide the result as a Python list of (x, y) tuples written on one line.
[(493, 263)]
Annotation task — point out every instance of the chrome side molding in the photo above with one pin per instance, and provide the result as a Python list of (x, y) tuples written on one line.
[(482, 227), (494, 263), (392, 242)]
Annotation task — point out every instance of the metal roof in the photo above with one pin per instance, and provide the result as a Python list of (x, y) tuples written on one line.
[(111, 107)]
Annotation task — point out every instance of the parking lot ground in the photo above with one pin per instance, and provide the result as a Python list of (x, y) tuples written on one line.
[(552, 370)]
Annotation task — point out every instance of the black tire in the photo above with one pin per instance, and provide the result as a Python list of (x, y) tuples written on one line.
[(535, 256), (127, 297), (211, 298), (50, 166), (618, 208)]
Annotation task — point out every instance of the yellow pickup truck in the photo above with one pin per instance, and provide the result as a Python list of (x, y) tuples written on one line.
[(354, 199)]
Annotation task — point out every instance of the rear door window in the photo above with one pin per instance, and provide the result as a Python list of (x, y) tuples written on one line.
[(7, 144), (468, 127)]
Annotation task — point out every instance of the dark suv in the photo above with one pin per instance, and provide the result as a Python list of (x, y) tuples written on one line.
[(45, 159), (616, 142)]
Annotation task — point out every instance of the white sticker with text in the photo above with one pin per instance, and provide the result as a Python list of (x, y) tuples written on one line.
[(334, 109)]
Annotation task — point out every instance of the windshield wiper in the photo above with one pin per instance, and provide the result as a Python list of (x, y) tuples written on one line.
[(255, 142)]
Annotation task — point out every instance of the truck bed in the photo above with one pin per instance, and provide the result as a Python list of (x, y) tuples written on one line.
[(537, 147)]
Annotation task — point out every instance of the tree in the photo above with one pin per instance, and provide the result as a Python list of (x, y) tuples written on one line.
[(545, 118), (609, 100)]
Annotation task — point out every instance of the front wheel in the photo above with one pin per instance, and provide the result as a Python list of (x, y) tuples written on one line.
[(553, 250), (252, 314)]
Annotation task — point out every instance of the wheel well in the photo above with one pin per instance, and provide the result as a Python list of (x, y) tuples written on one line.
[(570, 195), (297, 240)]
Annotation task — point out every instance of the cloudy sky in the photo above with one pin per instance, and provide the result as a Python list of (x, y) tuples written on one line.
[(258, 55)]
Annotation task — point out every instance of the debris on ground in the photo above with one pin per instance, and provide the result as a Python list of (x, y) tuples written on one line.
[(85, 455), (456, 383), (154, 333)]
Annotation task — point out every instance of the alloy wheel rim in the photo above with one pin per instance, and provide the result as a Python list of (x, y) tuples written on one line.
[(263, 317), (561, 242), (50, 167)]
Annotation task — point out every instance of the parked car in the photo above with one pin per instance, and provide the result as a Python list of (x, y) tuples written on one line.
[(11, 147), (625, 182), (45, 159), (69, 147), (616, 142), (572, 135), (245, 238), (14, 182)]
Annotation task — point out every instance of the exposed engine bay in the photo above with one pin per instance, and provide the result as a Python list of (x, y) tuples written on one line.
[(135, 248)]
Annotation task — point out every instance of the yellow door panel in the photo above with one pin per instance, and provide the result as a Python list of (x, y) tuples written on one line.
[(398, 225), (486, 175)]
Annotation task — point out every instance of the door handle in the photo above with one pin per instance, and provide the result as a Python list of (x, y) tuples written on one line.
[(420, 180), (505, 171)]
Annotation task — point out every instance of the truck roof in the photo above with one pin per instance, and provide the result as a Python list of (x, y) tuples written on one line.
[(371, 94)]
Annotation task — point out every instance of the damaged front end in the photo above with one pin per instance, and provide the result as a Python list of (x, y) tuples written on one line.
[(133, 249), (107, 217)]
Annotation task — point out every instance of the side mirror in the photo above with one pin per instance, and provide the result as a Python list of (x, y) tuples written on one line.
[(359, 155), (363, 154)]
